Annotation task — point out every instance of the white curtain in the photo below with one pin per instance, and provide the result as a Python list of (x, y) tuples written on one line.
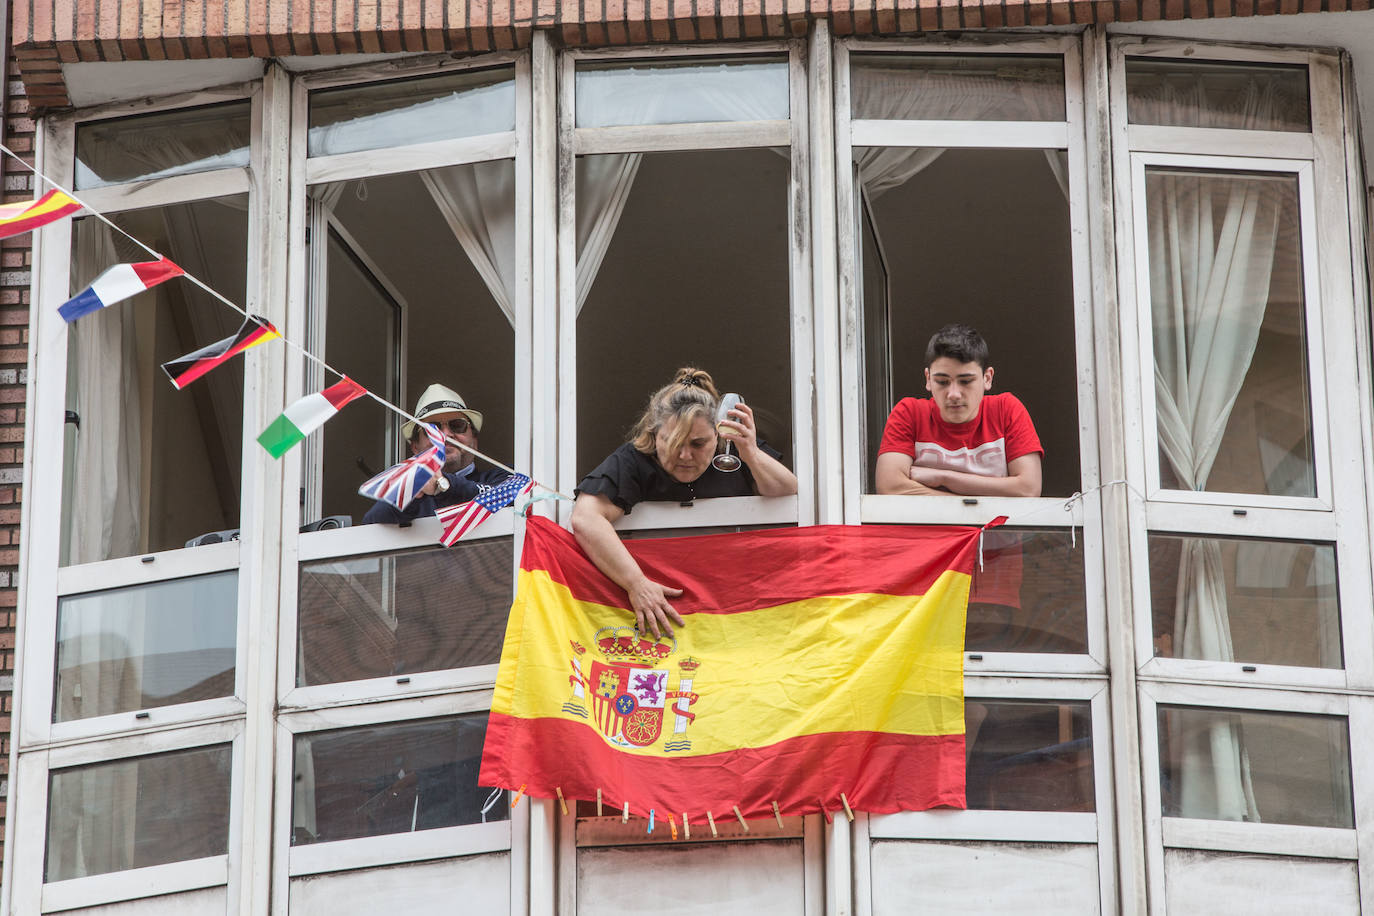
[(478, 202), (1211, 244), (912, 95), (104, 505)]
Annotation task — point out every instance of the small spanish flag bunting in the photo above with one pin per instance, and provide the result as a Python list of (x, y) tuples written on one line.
[(117, 284), (307, 415), (192, 366), (25, 215)]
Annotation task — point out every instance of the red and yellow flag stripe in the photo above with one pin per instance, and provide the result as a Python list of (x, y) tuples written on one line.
[(31, 214), (814, 662)]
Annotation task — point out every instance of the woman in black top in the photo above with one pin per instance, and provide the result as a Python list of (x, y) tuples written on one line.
[(669, 458)]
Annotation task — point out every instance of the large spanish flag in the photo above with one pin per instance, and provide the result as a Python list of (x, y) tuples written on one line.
[(814, 663)]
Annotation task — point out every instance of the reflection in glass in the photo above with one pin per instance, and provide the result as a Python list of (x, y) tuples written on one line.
[(380, 779), (423, 268), (686, 255), (1028, 595), (686, 91), (1270, 767), (954, 87), (146, 646), (1182, 93), (1226, 599), (1230, 342), (153, 467), (145, 147), (1032, 756), (428, 610), (401, 112), (935, 215), (138, 812)]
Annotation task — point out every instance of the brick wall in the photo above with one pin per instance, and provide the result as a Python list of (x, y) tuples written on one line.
[(48, 33), (15, 258)]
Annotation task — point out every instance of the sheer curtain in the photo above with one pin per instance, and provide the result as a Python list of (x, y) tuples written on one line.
[(1211, 251), (478, 202)]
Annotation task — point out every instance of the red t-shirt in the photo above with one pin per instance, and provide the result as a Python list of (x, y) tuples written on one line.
[(1001, 433)]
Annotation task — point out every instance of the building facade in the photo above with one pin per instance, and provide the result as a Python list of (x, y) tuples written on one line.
[(231, 696)]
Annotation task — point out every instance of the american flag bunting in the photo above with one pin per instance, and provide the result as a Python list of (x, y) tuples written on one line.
[(460, 519)]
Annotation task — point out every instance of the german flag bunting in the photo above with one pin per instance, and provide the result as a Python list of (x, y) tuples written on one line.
[(187, 369)]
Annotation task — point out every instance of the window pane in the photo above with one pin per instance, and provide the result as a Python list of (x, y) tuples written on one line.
[(1226, 298), (1270, 602), (380, 779), (1029, 756), (941, 87), (936, 215), (138, 812), (424, 611), (401, 112), (682, 92), (146, 646), (161, 145), (418, 288), (153, 467), (1268, 767), (1195, 94), (682, 261), (1028, 595)]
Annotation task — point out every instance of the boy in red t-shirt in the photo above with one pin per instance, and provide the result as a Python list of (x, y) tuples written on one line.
[(961, 439)]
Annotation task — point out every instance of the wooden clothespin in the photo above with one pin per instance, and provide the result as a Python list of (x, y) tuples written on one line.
[(625, 815), (598, 802), (518, 794), (848, 812), (561, 803), (686, 826), (672, 822), (740, 817), (777, 813), (712, 821)]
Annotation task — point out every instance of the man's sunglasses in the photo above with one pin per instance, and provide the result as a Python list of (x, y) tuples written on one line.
[(458, 425)]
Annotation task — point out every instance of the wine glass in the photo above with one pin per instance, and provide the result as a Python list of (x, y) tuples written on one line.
[(726, 460)]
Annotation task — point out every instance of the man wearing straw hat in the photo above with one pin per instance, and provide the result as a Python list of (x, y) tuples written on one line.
[(446, 409)]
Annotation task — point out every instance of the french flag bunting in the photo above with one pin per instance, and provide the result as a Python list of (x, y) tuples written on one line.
[(400, 484), (460, 519), (117, 284)]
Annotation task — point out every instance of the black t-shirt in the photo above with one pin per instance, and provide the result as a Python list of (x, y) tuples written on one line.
[(628, 476)]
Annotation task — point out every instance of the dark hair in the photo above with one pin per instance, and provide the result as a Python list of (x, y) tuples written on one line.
[(690, 394), (960, 343)]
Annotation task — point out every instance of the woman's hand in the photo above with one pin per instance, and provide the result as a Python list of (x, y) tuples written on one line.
[(739, 428), (653, 613)]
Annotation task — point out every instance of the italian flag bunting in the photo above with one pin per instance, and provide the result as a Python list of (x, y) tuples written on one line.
[(307, 415)]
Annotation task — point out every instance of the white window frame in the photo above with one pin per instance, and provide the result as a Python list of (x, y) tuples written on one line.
[(792, 133), (47, 581), (1084, 513), (31, 895)]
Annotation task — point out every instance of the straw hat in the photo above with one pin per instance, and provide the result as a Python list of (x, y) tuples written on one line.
[(439, 399)]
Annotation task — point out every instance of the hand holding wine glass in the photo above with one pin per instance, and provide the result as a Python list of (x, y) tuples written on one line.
[(727, 461)]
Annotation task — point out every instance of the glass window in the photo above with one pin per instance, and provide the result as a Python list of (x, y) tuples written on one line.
[(381, 779), (685, 91), (682, 261), (138, 812), (933, 218), (368, 617), (1269, 767), (150, 146), (401, 112), (1029, 756), (418, 286), (150, 467), (1028, 595), (942, 87), (146, 646), (1193, 93), (1227, 599), (1232, 400)]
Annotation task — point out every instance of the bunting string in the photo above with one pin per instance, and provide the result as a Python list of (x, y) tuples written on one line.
[(306, 354)]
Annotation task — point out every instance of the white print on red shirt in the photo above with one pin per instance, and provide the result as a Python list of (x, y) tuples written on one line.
[(986, 460)]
